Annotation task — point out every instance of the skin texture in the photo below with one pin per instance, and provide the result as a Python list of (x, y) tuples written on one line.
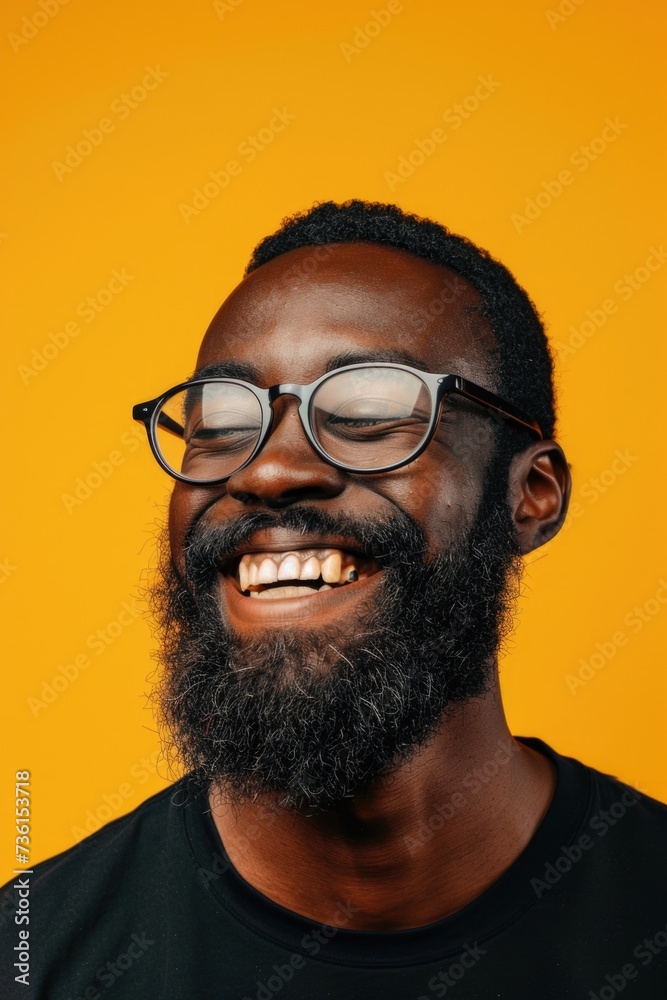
[(363, 298)]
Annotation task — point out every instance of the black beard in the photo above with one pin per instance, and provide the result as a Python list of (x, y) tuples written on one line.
[(313, 716)]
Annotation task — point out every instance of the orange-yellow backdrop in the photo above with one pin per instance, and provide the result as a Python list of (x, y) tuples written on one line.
[(548, 153)]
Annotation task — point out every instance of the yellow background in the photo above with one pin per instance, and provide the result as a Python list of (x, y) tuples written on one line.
[(358, 108)]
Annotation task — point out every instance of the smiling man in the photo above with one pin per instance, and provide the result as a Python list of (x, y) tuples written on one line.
[(361, 458)]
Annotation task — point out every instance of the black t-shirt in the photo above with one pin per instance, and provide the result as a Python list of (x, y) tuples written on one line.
[(150, 907)]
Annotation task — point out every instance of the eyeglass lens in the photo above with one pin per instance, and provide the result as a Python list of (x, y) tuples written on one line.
[(365, 418), (368, 418), (208, 431)]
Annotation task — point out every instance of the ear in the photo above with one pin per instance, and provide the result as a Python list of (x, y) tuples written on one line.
[(539, 493)]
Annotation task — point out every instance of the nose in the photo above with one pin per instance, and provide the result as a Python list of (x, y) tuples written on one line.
[(287, 469)]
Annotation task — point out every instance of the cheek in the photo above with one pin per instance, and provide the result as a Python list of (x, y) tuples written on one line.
[(186, 505), (441, 497)]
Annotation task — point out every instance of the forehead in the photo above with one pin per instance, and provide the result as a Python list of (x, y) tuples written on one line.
[(291, 316)]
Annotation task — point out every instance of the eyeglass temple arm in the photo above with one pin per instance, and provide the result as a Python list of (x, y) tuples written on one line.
[(144, 411), (488, 399)]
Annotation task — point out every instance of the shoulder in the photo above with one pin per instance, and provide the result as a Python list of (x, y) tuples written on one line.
[(629, 826), (108, 858), (605, 790), (615, 803), (145, 823), (626, 827)]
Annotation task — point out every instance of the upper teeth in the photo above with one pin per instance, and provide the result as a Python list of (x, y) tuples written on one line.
[(259, 568)]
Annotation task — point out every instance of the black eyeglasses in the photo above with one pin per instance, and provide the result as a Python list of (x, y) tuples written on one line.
[(360, 418)]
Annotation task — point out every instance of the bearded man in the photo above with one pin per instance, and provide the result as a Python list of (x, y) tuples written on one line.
[(362, 457)]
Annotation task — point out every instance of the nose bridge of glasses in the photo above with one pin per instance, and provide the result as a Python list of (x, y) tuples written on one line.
[(285, 389)]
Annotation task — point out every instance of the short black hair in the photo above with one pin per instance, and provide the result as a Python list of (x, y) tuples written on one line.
[(524, 362)]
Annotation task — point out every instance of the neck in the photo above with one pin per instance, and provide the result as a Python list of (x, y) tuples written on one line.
[(406, 850)]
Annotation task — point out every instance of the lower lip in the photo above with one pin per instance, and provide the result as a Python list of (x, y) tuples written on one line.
[(290, 610)]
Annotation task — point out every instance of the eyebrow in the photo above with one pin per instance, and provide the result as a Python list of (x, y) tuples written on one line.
[(229, 369), (389, 355), (250, 373)]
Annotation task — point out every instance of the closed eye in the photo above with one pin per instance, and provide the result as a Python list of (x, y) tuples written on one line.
[(370, 421), (211, 433)]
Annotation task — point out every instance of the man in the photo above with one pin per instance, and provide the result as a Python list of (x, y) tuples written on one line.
[(361, 458)]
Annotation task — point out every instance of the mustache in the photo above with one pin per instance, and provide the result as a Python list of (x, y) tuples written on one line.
[(395, 542)]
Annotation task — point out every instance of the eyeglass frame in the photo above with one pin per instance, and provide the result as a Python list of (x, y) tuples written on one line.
[(437, 384)]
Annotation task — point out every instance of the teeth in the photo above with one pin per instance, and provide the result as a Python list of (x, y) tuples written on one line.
[(257, 569), (268, 571), (331, 568), (310, 570), (281, 592), (290, 568)]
